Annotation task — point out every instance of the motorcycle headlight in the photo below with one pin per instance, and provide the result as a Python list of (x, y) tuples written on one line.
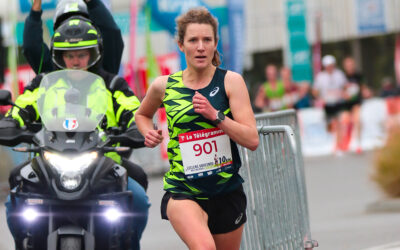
[(70, 181), (70, 168), (30, 214), (113, 214)]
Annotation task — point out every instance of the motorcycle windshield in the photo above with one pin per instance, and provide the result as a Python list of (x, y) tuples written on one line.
[(72, 101)]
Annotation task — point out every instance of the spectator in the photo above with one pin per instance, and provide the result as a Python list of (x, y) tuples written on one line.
[(353, 85), (329, 85), (270, 95), (390, 92), (291, 95), (297, 95), (353, 98), (329, 92), (388, 89), (305, 97)]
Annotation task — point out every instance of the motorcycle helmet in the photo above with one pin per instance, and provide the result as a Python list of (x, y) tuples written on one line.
[(68, 8), (75, 34)]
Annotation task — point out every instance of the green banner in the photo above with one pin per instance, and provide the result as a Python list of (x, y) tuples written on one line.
[(299, 49)]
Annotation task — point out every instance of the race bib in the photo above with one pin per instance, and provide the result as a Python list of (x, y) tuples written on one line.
[(205, 152)]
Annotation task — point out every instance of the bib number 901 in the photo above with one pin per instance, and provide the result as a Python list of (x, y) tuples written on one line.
[(207, 148)]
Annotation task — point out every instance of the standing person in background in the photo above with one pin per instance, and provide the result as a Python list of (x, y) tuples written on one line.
[(352, 89), (328, 91), (305, 97), (297, 95), (38, 54), (204, 201), (388, 88), (270, 94), (291, 95), (353, 99)]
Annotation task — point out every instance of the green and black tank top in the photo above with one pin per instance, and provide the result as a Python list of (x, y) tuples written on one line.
[(182, 120)]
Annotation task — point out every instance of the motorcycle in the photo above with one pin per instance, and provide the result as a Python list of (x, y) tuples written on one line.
[(69, 195)]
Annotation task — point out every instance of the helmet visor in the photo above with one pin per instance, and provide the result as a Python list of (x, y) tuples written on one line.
[(76, 58)]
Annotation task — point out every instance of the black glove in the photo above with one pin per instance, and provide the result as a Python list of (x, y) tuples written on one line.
[(125, 117)]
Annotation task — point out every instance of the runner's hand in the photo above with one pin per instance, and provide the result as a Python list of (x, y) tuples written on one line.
[(153, 138), (202, 106)]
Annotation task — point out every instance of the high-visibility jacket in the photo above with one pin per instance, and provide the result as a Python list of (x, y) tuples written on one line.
[(122, 103)]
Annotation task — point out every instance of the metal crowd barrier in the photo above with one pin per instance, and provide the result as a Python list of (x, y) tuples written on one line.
[(277, 208)]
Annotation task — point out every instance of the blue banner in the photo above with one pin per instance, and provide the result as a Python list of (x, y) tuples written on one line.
[(370, 16), (165, 12), (299, 49), (236, 35), (26, 5)]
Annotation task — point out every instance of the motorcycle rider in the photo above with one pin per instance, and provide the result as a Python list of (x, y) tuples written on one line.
[(38, 54), (76, 44)]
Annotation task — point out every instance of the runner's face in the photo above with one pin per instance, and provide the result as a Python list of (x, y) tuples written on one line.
[(76, 59), (199, 45)]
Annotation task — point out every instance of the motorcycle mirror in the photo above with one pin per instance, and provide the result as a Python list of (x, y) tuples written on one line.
[(5, 97)]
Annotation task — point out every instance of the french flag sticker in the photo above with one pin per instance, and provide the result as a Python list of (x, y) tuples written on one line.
[(70, 124)]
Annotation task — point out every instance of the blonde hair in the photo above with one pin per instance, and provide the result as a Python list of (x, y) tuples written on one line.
[(198, 15)]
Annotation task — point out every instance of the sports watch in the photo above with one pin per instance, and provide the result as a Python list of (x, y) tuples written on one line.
[(220, 117)]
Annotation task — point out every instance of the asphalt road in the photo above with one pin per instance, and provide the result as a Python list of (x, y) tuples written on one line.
[(339, 191)]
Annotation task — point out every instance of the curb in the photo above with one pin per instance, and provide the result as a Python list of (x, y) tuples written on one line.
[(384, 206)]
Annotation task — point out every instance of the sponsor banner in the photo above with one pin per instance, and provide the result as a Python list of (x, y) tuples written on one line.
[(373, 117), (377, 115), (370, 16), (236, 34), (26, 5), (299, 49), (24, 75), (166, 11), (163, 125), (167, 63), (316, 140)]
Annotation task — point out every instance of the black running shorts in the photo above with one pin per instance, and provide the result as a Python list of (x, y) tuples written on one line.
[(226, 212)]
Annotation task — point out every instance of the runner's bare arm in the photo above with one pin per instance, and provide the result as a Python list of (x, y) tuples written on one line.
[(242, 129), (147, 109)]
